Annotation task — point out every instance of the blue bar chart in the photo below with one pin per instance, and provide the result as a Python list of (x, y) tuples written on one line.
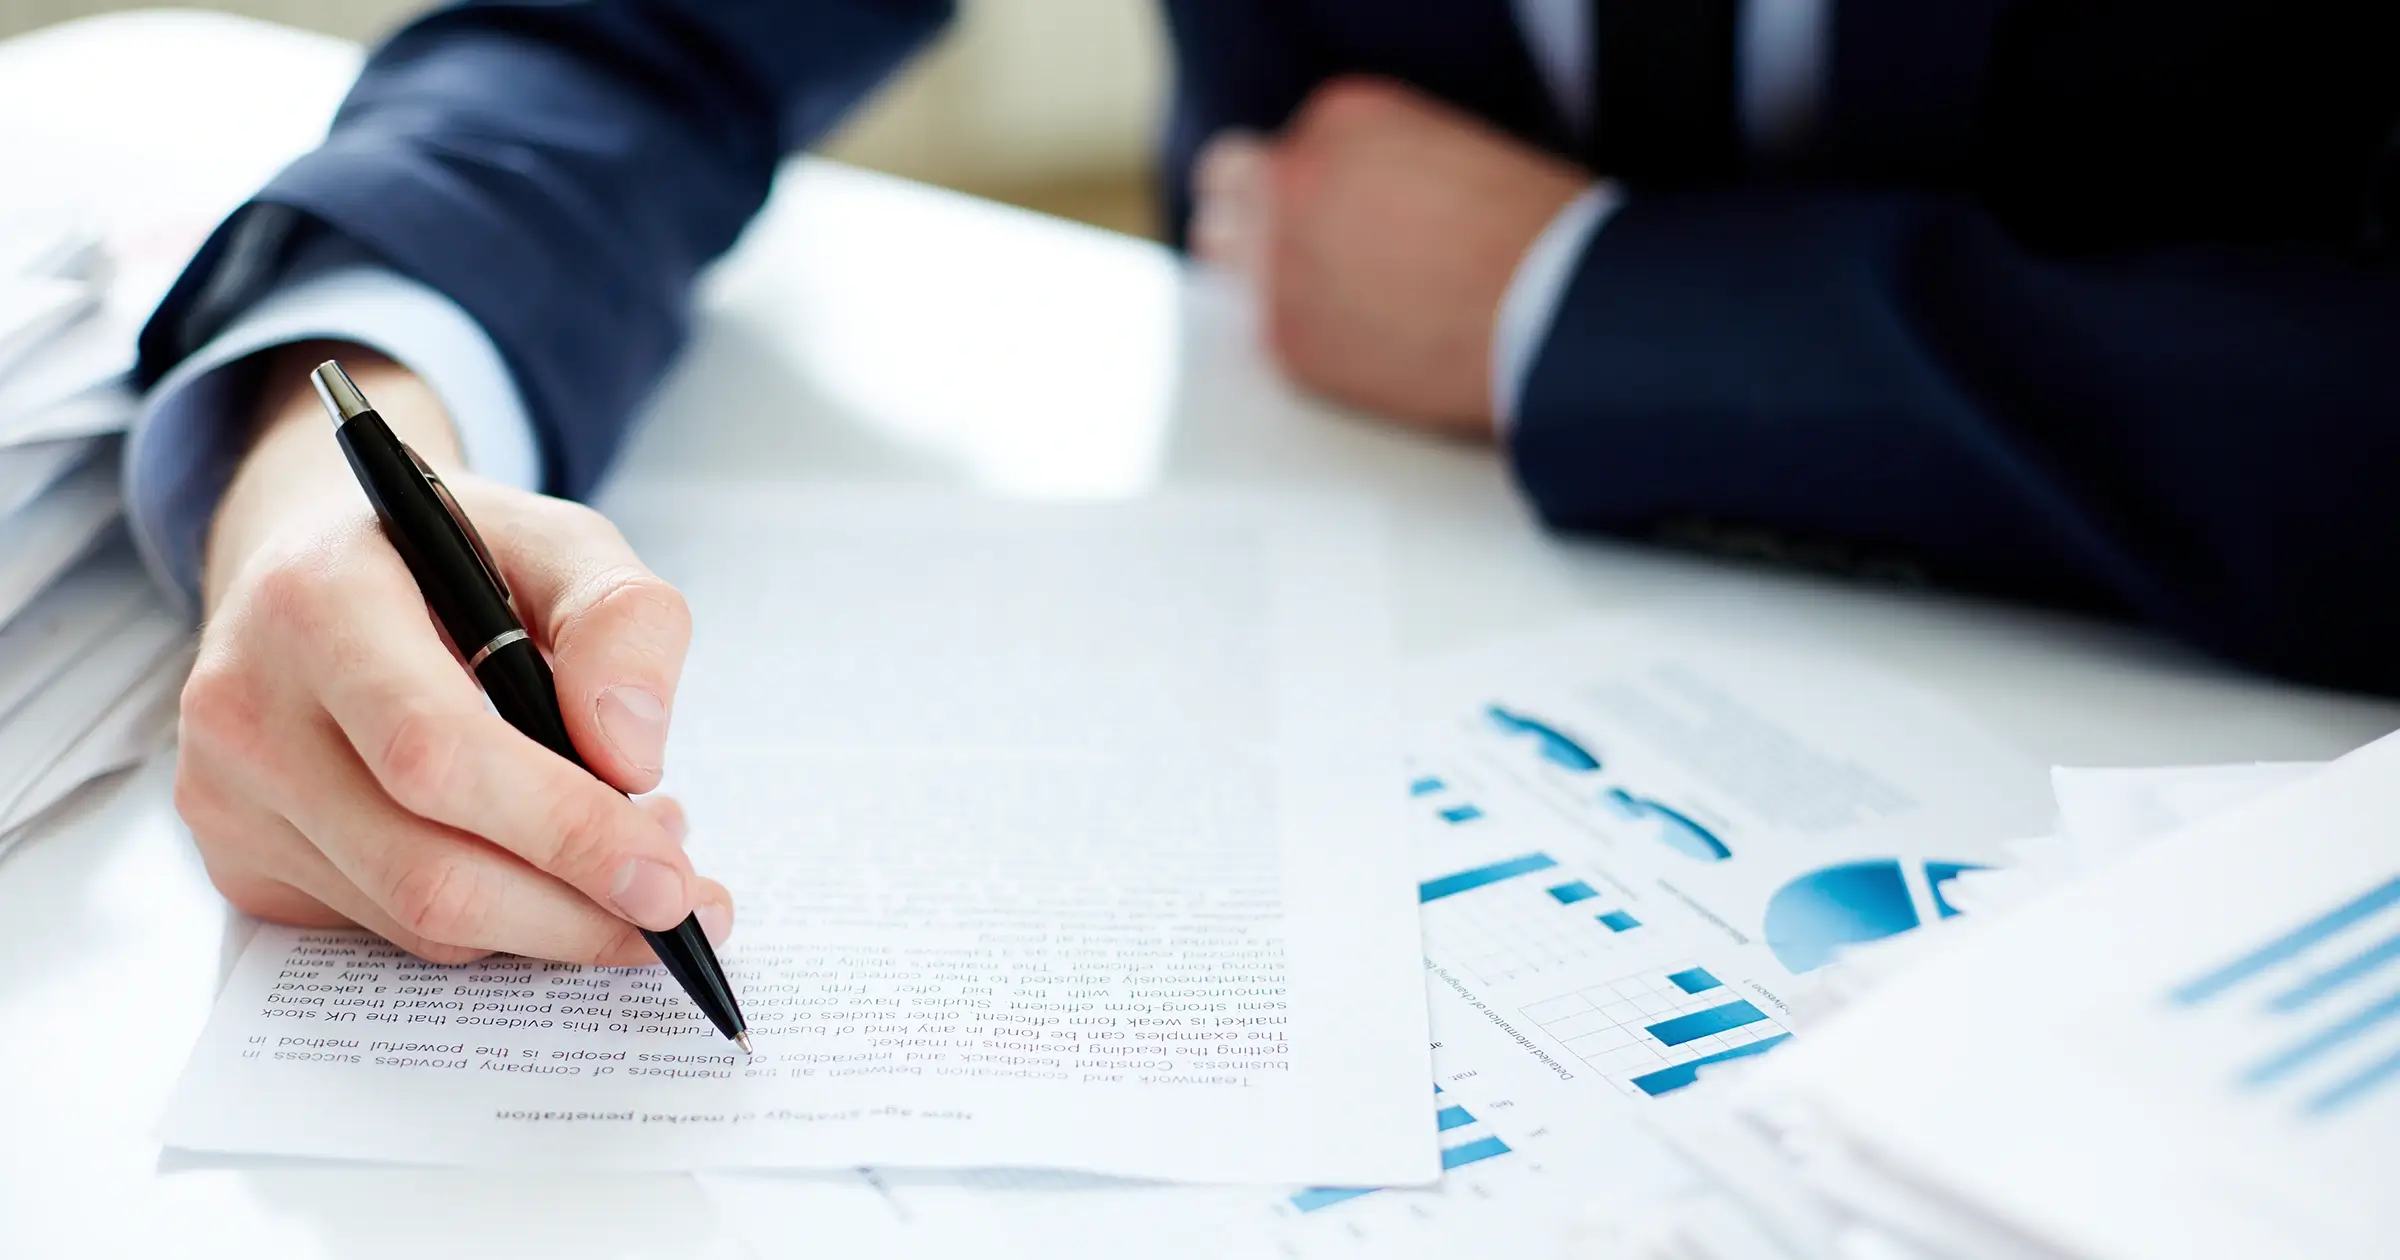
[(1708, 1023), (1694, 980), (1474, 1152), (1668, 1080), (1433, 890), (1525, 915), (2321, 1000), (1653, 1032), (1447, 800), (1324, 1197)]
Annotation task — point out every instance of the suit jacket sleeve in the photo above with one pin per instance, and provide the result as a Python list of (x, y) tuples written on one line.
[(2206, 436), (562, 172)]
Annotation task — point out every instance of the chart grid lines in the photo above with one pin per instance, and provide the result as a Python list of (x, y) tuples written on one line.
[(1505, 928), (1651, 1032)]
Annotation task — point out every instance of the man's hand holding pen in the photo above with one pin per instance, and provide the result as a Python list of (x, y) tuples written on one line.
[(338, 764)]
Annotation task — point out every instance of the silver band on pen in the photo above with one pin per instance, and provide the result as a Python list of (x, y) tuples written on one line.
[(499, 641)]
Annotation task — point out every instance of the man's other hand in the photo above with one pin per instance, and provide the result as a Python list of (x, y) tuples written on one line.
[(1380, 231), (338, 763)]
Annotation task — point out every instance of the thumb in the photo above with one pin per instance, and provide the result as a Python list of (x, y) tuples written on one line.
[(616, 632)]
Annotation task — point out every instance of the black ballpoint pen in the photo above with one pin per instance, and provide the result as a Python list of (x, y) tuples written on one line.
[(463, 585)]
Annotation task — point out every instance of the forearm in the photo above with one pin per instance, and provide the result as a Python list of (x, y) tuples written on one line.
[(561, 173)]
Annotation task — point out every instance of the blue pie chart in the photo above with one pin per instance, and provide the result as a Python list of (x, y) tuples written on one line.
[(1815, 915)]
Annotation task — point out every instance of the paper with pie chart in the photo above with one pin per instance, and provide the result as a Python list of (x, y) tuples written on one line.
[(1644, 840), (1791, 801)]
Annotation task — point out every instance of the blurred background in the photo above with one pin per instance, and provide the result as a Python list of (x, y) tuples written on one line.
[(1050, 105)]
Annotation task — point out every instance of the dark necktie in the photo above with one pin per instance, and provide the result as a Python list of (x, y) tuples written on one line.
[(1664, 90)]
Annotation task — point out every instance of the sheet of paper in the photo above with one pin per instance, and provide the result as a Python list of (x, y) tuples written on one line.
[(59, 335), (45, 538), (1611, 819), (53, 242), (2194, 1052), (1062, 838), (75, 388), (46, 728), (2104, 813), (26, 471), (71, 617), (1782, 1184), (35, 309), (141, 722), (74, 700), (1523, 1152)]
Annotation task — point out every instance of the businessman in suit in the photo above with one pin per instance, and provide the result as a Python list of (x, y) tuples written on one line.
[(2089, 301)]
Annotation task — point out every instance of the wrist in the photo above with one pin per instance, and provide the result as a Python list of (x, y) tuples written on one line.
[(293, 471)]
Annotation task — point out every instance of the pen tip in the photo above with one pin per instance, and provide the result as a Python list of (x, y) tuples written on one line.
[(742, 1039)]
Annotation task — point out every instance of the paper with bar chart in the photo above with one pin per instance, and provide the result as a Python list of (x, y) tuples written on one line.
[(2218, 1008), (1599, 895)]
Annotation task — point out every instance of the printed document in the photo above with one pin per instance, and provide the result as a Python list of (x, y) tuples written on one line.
[(1061, 837), (1639, 842), (2192, 1052)]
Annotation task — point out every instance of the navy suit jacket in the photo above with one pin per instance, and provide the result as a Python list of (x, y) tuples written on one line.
[(2082, 300)]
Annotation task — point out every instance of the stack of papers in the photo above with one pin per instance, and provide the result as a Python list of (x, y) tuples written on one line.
[(66, 342), (91, 656), (2175, 1031), (1639, 842), (101, 208)]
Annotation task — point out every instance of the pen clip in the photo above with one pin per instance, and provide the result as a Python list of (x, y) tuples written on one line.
[(458, 517)]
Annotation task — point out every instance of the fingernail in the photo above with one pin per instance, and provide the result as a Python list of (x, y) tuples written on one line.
[(636, 723), (717, 921), (649, 894)]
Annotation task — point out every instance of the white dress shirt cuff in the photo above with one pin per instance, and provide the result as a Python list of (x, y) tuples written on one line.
[(188, 436), (1534, 292)]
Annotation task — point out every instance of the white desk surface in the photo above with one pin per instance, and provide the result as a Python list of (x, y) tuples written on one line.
[(868, 329)]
